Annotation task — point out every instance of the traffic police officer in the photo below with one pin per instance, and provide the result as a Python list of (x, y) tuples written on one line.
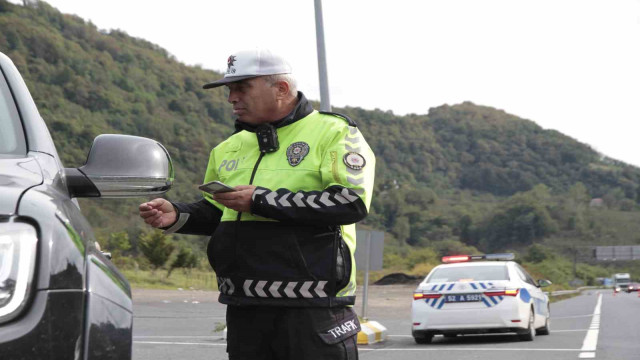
[(282, 243)]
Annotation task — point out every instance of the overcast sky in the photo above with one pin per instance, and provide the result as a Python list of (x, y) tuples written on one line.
[(569, 65)]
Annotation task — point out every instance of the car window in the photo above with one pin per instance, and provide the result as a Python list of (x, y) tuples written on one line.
[(12, 141), (524, 275), (469, 273)]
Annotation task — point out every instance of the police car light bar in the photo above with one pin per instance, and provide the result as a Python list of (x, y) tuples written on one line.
[(464, 258), (456, 258)]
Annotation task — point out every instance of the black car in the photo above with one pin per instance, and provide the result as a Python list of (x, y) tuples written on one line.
[(60, 296)]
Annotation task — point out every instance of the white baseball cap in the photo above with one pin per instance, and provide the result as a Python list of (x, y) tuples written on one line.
[(249, 64)]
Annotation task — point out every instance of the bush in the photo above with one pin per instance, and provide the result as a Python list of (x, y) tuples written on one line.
[(156, 247)]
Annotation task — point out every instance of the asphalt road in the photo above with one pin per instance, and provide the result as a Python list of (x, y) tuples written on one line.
[(596, 325)]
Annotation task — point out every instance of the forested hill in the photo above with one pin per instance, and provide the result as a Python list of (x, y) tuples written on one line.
[(467, 146), (87, 81)]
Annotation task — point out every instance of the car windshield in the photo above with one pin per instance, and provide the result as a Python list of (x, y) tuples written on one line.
[(12, 141), (469, 273)]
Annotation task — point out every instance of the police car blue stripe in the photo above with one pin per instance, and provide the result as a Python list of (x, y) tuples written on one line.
[(441, 303), (434, 287), (486, 302), (474, 286), (483, 285), (442, 287), (500, 297), (451, 286), (495, 302)]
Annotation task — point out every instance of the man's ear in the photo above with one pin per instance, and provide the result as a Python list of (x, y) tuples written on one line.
[(282, 89)]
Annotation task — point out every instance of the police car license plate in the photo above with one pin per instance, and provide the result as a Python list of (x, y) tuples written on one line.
[(463, 298)]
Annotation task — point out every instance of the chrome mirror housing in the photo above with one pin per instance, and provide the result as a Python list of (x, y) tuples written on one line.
[(122, 166)]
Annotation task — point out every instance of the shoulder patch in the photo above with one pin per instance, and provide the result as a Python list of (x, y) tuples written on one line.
[(348, 119)]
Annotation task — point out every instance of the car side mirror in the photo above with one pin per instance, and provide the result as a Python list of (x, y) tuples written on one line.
[(122, 166), (543, 283)]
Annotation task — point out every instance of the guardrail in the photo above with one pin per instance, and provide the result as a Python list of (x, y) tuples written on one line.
[(566, 292)]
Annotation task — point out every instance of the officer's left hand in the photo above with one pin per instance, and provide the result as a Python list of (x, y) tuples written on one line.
[(239, 200)]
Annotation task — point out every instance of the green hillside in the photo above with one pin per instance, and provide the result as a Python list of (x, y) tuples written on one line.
[(460, 178)]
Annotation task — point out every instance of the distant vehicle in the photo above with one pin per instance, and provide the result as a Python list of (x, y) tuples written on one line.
[(633, 287), (60, 296), (466, 296), (621, 281)]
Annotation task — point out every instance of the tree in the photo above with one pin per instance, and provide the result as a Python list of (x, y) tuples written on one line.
[(156, 247), (520, 221), (185, 259), (118, 243)]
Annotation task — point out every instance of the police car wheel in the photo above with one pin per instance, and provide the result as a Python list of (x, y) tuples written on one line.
[(546, 329), (530, 333), (423, 338)]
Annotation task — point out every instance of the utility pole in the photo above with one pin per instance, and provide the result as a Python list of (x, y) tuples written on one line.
[(325, 103)]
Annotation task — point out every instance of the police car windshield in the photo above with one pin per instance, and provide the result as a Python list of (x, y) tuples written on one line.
[(469, 273)]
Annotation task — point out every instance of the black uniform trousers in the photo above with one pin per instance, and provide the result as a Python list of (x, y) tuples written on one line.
[(285, 333)]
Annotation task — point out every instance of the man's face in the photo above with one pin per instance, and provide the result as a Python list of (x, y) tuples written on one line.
[(254, 100)]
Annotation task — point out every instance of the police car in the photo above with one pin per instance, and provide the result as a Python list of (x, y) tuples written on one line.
[(467, 296)]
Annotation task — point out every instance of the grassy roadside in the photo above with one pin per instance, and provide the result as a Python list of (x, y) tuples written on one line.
[(193, 279), (198, 279)]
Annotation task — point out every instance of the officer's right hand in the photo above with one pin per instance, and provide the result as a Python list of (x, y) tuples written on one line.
[(158, 213)]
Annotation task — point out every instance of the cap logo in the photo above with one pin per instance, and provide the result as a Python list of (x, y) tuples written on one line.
[(296, 152), (230, 61)]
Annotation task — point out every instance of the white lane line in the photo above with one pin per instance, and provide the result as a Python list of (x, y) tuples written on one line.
[(176, 343), (175, 337), (570, 317), (179, 317), (554, 331), (591, 339), (361, 348), (557, 331)]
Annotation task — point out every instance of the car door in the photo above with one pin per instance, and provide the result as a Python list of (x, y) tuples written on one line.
[(538, 298)]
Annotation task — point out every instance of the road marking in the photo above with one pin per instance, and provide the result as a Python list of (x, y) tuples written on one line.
[(591, 339), (361, 348), (176, 343), (587, 355), (175, 337), (556, 331), (570, 317), (180, 317)]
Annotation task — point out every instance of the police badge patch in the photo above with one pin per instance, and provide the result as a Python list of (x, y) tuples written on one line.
[(354, 160), (296, 152)]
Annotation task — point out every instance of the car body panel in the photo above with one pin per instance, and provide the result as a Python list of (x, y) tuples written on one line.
[(16, 176), (51, 328), (108, 329)]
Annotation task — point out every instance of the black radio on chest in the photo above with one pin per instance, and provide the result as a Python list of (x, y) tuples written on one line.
[(267, 138)]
